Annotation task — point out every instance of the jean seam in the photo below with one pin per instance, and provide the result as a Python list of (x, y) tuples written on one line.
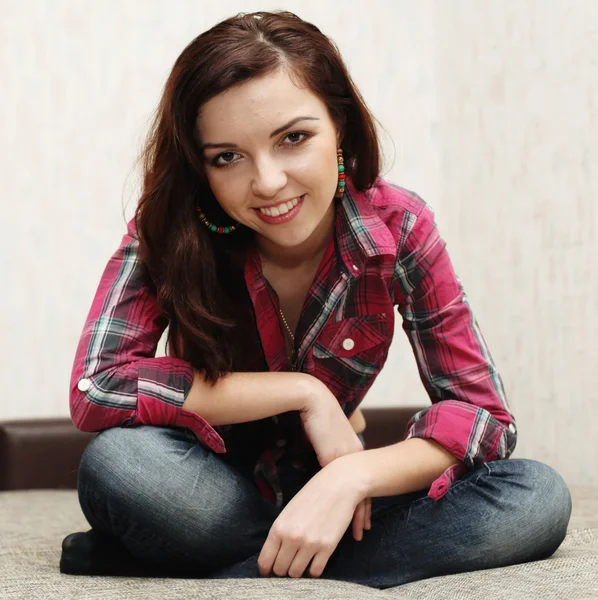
[(488, 468)]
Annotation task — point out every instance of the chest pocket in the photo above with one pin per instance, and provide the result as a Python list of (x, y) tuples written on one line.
[(354, 347)]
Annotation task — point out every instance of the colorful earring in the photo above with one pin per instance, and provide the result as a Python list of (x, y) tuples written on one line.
[(215, 228), (341, 174)]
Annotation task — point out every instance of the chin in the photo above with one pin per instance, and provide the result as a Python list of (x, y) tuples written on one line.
[(288, 240)]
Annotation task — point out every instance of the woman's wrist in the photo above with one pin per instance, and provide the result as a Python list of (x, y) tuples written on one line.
[(312, 393), (354, 468)]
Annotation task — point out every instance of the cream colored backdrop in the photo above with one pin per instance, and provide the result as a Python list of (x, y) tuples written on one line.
[(493, 110)]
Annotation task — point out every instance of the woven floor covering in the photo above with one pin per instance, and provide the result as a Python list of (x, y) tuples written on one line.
[(33, 524)]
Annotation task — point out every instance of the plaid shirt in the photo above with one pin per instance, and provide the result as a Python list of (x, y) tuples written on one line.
[(386, 252)]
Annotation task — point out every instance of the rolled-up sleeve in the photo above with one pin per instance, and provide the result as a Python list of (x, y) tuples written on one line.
[(469, 415), (116, 378)]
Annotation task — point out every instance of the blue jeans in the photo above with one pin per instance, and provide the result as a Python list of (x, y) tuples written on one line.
[(177, 505)]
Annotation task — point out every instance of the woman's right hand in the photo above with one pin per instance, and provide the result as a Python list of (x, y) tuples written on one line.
[(326, 425), (332, 436)]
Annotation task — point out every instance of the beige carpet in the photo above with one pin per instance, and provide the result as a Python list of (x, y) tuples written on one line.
[(33, 524)]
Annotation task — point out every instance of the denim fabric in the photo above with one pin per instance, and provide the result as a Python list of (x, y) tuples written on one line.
[(177, 505)]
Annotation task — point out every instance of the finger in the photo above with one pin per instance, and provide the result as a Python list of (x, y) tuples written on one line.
[(368, 512), (359, 521), (366, 504), (284, 559), (301, 561), (319, 562), (365, 514), (270, 550)]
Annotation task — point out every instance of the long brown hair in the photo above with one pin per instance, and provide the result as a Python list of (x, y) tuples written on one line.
[(197, 275)]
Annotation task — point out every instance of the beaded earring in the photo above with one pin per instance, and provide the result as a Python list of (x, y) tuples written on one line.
[(341, 174), (215, 228)]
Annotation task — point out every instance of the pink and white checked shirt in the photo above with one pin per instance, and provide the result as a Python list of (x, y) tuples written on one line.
[(386, 253)]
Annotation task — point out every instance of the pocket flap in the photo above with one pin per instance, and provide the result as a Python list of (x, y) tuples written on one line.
[(351, 336)]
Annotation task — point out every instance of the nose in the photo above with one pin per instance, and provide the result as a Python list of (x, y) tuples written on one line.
[(269, 178)]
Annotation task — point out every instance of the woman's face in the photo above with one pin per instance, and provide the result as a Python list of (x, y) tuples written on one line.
[(270, 147)]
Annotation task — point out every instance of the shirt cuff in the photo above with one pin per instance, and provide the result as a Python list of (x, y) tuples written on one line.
[(442, 485), (152, 411), (202, 429)]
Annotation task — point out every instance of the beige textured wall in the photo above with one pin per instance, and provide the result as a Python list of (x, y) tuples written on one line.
[(490, 112), (517, 83)]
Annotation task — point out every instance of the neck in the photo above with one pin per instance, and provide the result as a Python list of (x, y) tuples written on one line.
[(311, 249)]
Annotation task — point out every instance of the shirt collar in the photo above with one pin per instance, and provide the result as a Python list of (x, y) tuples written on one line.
[(360, 232)]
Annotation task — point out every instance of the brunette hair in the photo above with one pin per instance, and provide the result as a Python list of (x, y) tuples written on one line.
[(197, 275)]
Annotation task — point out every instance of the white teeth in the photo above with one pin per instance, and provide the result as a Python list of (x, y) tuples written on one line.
[(282, 209)]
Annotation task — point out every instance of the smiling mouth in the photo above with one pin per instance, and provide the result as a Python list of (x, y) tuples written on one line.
[(281, 213), (280, 209)]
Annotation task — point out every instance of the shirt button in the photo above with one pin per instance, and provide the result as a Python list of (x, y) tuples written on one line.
[(348, 344), (84, 385), (281, 443), (512, 428), (355, 268)]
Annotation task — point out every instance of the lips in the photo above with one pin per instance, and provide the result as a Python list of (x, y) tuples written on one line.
[(281, 213), (280, 209)]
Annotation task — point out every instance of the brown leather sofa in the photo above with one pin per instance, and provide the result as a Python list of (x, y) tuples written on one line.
[(45, 453)]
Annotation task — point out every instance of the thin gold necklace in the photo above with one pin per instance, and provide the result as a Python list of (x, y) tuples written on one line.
[(292, 337)]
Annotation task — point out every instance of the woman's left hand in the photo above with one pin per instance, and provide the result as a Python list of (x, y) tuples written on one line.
[(313, 522)]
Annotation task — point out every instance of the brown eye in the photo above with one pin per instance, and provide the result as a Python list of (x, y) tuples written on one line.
[(296, 142), (225, 156)]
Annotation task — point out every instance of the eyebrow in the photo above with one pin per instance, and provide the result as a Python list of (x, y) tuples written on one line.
[(275, 132)]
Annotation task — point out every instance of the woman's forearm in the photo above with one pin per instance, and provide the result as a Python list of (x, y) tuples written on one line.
[(244, 397), (405, 467)]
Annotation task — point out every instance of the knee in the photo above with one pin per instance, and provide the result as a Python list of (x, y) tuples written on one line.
[(99, 457), (547, 491), (118, 459), (550, 497), (538, 503), (137, 470), (164, 480)]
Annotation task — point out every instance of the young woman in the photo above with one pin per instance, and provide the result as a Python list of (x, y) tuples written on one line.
[(267, 242)]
